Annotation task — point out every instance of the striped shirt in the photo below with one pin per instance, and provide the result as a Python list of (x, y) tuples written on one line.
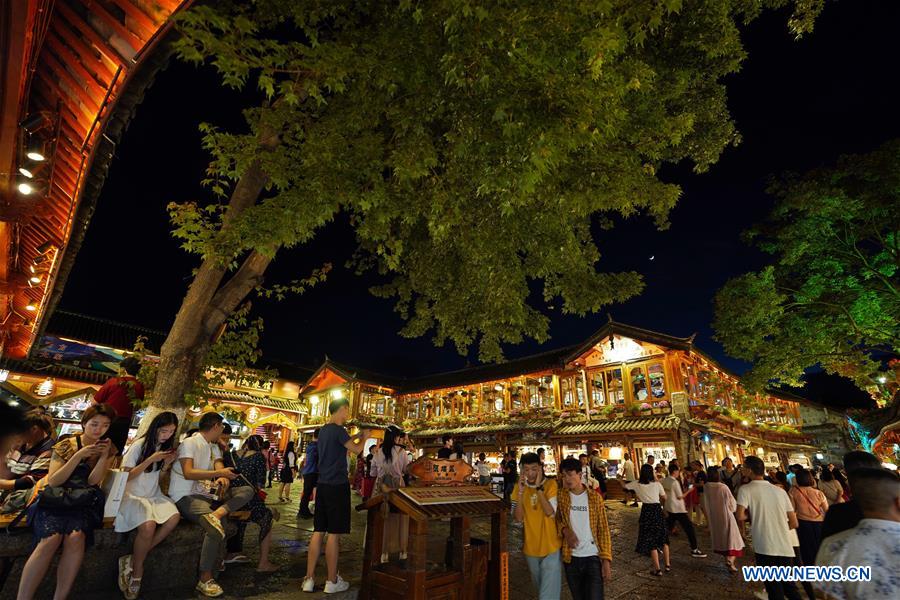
[(34, 461)]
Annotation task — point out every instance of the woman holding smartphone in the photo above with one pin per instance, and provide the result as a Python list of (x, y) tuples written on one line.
[(144, 507), (78, 464)]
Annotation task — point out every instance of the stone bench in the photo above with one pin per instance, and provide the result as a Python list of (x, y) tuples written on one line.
[(171, 565)]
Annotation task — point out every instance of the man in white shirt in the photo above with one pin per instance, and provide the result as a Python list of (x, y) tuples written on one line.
[(629, 475), (766, 505), (874, 542), (199, 463), (677, 510), (484, 470)]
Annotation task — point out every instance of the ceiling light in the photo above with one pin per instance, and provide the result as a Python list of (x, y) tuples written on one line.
[(37, 150), (30, 307), (26, 172), (35, 279), (25, 188)]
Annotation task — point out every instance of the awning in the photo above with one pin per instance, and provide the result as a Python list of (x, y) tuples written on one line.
[(629, 425)]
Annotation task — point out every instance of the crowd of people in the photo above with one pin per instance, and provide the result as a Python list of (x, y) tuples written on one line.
[(54, 484), (830, 516)]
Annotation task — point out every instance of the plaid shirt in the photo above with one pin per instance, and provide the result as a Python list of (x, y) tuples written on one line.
[(599, 524)]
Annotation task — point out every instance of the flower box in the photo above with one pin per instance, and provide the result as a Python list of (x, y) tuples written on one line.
[(661, 411), (646, 412)]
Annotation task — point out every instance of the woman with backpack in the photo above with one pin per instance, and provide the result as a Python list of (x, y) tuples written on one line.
[(144, 506), (70, 507)]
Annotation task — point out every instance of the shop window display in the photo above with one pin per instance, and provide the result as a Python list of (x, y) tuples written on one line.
[(638, 384), (615, 389), (657, 380)]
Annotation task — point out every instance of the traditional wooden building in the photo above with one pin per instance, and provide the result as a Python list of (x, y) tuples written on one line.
[(625, 389)]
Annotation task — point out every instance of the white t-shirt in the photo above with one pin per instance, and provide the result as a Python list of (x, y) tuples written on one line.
[(768, 506), (628, 471), (674, 504), (580, 519), (648, 493), (484, 469), (204, 455), (145, 485)]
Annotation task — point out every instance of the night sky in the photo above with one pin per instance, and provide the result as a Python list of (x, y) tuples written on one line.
[(797, 104)]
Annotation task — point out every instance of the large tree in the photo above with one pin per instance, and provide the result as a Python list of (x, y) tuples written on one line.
[(831, 297), (471, 144)]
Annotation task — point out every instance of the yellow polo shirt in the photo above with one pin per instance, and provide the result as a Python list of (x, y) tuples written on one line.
[(541, 537)]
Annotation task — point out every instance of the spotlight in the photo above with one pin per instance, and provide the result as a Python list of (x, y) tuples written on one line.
[(37, 150), (25, 188), (26, 172), (30, 307), (44, 248), (35, 122), (35, 279), (39, 259)]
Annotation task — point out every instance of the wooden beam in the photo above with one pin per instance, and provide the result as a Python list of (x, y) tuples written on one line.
[(141, 19), (67, 101), (102, 45), (130, 37), (86, 52), (76, 87), (73, 61)]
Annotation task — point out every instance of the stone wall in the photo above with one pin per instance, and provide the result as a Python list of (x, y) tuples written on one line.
[(172, 564)]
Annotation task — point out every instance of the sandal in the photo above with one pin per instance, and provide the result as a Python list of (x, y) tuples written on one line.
[(658, 573), (668, 568)]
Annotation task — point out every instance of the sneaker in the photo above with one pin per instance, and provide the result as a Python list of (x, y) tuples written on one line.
[(333, 587), (212, 525), (210, 588), (697, 554), (133, 590), (237, 559), (309, 584), (124, 572)]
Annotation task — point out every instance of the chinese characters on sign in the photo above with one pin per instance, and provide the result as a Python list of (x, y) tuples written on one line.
[(429, 471)]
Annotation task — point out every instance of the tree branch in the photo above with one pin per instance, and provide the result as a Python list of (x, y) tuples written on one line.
[(230, 295)]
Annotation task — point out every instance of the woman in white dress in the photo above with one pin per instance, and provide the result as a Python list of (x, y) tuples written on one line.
[(144, 506)]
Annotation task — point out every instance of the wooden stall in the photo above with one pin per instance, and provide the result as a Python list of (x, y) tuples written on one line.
[(471, 569)]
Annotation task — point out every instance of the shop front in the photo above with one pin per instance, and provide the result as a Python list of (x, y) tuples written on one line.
[(639, 437)]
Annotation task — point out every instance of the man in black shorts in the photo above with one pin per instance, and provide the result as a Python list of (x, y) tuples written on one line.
[(332, 514)]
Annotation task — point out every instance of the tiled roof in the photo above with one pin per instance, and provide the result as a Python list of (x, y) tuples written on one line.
[(102, 332), (51, 369), (658, 423), (511, 368), (519, 425), (265, 401)]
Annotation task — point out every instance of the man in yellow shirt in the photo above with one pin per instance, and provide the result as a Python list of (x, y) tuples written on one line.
[(536, 508)]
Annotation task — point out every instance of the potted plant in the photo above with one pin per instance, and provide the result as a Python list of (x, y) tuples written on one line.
[(619, 410), (609, 411), (635, 411), (646, 409), (661, 408)]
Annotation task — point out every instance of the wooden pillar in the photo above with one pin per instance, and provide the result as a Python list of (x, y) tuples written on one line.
[(460, 540), (418, 547), (498, 572), (557, 395), (371, 552)]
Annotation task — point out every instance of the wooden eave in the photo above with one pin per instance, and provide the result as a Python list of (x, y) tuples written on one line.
[(74, 61)]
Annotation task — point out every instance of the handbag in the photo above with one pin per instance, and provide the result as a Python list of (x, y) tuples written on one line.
[(76, 493)]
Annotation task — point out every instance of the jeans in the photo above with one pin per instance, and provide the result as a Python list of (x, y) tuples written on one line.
[(778, 590), (546, 574), (194, 507), (686, 524), (484, 480), (585, 578)]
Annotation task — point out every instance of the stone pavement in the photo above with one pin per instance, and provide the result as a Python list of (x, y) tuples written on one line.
[(691, 578)]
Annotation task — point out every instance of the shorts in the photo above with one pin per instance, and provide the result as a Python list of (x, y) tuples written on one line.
[(118, 433), (332, 508)]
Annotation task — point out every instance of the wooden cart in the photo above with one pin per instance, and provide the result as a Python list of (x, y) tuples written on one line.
[(471, 569)]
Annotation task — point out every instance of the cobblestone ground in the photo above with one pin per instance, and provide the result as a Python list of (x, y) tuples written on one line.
[(691, 578)]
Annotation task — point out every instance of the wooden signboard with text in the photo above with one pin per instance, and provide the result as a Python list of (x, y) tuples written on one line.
[(431, 471), (448, 495)]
